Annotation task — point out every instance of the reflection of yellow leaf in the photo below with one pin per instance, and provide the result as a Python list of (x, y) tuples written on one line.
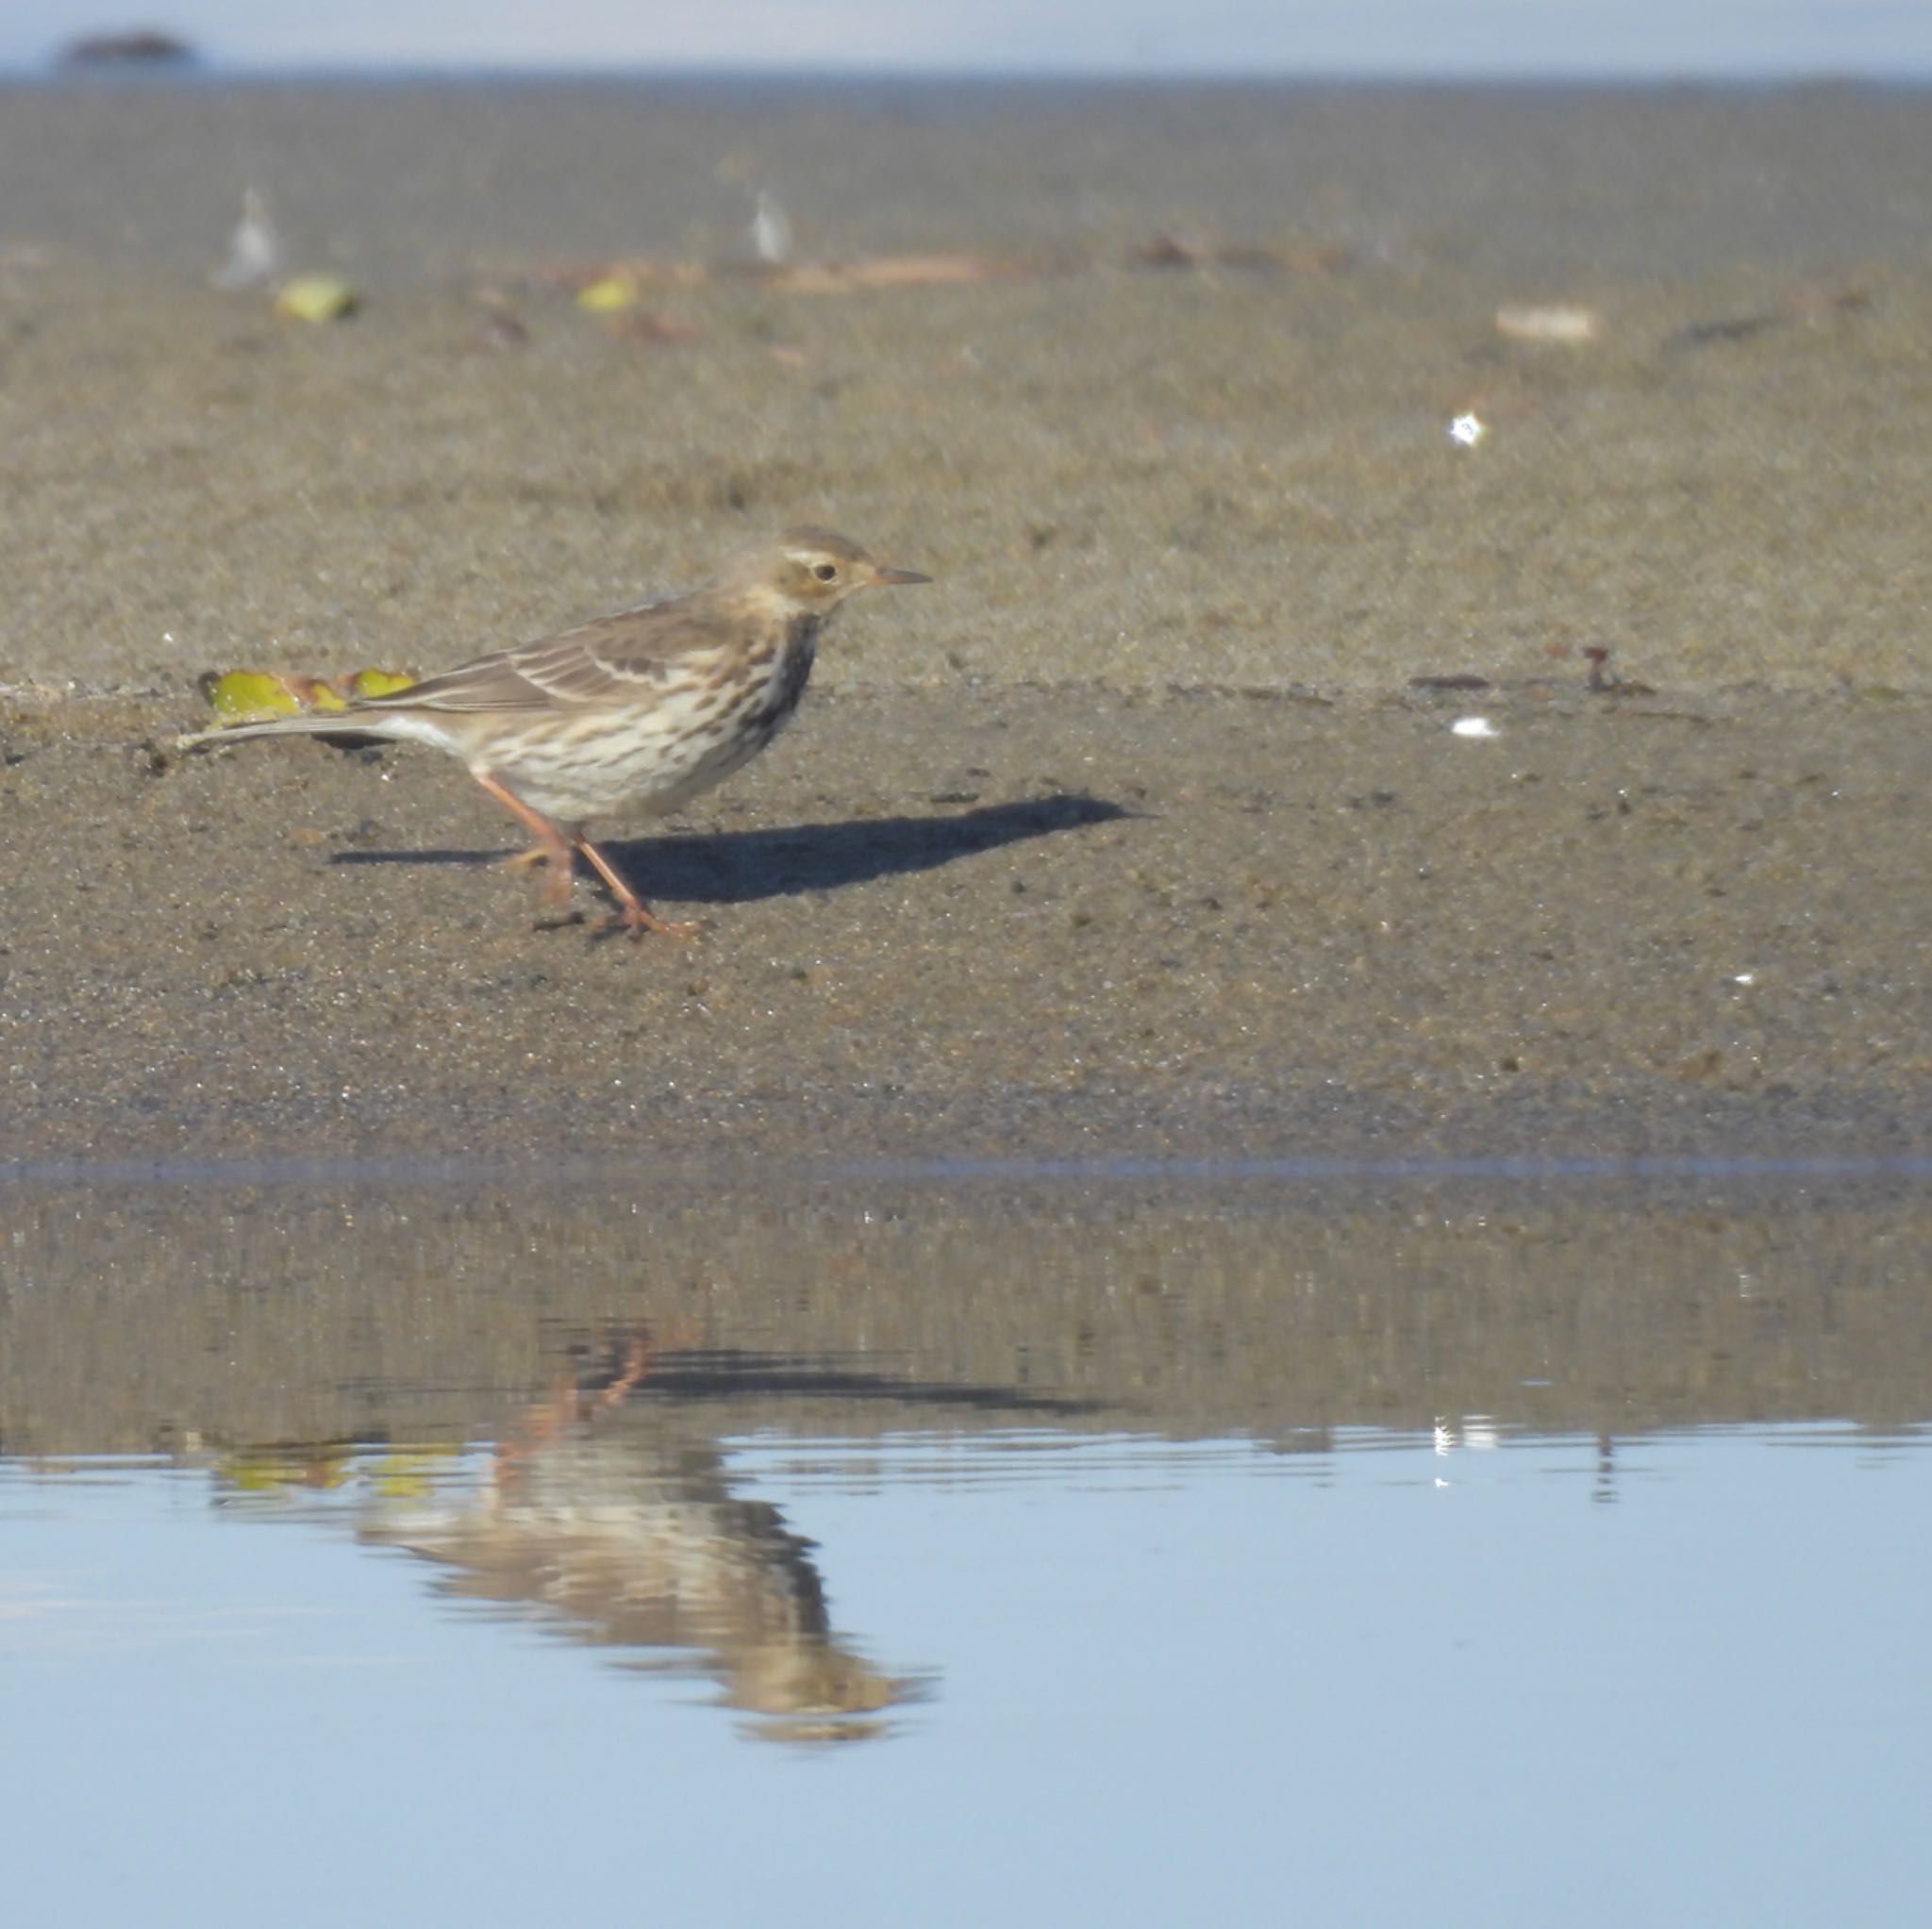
[(412, 1474), (366, 683), (316, 298), (613, 292), (267, 1470)]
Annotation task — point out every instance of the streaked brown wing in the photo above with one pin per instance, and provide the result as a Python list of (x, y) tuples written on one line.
[(612, 656)]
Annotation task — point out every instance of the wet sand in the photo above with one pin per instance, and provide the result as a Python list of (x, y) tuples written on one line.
[(179, 1319), (1130, 837)]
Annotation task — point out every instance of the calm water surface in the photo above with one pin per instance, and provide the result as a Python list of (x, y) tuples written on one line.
[(1106, 1555)]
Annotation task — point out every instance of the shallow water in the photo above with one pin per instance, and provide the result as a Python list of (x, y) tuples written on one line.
[(1325, 1551)]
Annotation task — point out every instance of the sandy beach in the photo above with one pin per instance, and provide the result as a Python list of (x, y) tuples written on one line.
[(1271, 1241), (1144, 831)]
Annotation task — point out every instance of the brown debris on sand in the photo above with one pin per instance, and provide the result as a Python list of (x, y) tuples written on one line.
[(1169, 249)]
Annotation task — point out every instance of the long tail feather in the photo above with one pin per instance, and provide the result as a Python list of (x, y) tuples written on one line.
[(315, 724)]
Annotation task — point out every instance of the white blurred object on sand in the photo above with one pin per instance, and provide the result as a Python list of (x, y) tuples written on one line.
[(254, 249), (1552, 321), (771, 229)]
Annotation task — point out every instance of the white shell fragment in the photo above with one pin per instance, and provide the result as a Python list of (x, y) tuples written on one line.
[(1473, 726), (1468, 429), (1558, 322)]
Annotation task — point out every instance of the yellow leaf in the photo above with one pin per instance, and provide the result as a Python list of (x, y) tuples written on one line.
[(247, 696), (611, 293), (367, 683), (316, 298), (255, 696), (313, 693)]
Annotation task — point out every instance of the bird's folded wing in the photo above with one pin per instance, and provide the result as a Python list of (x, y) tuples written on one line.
[(613, 657)]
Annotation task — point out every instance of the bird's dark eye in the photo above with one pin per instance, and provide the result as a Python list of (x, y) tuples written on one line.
[(826, 572)]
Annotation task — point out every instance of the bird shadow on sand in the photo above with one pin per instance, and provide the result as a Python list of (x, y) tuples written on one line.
[(736, 867)]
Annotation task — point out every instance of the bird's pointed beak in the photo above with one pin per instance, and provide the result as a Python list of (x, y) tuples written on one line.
[(884, 575)]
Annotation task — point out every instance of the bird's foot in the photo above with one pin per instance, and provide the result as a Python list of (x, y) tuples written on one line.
[(560, 874), (632, 915), (636, 919)]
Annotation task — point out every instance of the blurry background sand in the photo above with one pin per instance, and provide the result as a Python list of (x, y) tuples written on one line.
[(1129, 475), (1195, 529)]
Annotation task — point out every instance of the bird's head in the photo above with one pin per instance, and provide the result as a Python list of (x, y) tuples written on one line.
[(810, 571)]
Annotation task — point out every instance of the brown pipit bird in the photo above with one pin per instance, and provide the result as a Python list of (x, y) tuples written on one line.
[(635, 712)]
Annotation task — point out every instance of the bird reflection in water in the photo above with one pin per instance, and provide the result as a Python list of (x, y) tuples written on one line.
[(613, 1520)]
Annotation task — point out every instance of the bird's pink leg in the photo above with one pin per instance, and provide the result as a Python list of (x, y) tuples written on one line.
[(552, 847), (636, 915), (555, 850)]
